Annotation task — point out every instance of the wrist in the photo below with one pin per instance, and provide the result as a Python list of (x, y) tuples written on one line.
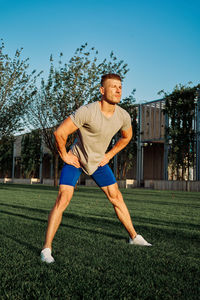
[(110, 154), (64, 156)]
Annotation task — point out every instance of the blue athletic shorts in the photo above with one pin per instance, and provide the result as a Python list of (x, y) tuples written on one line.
[(103, 176)]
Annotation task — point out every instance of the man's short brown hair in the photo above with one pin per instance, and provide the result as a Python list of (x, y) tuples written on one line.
[(109, 76)]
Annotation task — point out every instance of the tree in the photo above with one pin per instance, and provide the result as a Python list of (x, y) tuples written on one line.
[(180, 107), (68, 87), (127, 157), (16, 87), (6, 156), (30, 154)]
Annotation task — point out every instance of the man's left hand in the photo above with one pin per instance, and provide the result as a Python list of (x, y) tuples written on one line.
[(105, 160)]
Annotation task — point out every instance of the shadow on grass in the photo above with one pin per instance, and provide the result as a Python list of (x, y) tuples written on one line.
[(102, 221), (163, 202), (23, 243), (36, 250), (39, 210), (9, 186), (146, 201), (161, 231), (98, 218)]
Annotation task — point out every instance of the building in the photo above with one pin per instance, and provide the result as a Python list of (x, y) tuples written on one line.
[(152, 149)]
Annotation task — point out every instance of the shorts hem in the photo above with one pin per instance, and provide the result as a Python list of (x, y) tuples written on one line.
[(105, 185), (60, 183)]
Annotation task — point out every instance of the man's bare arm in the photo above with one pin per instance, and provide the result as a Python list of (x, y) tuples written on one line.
[(121, 143), (61, 134)]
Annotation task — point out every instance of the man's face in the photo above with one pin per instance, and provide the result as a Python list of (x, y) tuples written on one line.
[(112, 90)]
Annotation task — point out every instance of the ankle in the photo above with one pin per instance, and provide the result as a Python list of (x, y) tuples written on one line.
[(133, 236), (47, 246)]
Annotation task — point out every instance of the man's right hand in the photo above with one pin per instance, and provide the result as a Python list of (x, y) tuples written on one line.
[(61, 134), (71, 159)]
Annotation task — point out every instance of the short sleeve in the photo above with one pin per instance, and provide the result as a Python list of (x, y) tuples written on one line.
[(80, 116), (126, 121)]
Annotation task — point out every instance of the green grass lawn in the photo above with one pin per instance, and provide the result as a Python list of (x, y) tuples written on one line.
[(93, 258)]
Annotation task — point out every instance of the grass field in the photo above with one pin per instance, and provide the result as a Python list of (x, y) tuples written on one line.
[(93, 258)]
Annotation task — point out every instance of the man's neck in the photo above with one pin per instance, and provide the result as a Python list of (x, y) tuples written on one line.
[(107, 108)]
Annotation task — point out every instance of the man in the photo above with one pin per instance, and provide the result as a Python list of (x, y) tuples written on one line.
[(96, 124)]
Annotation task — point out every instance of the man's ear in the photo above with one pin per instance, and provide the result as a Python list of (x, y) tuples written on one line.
[(102, 90)]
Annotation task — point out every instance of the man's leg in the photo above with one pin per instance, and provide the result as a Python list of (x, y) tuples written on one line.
[(64, 196), (115, 197), (106, 180), (68, 179)]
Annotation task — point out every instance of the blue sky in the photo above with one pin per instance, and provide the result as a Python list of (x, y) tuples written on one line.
[(159, 40)]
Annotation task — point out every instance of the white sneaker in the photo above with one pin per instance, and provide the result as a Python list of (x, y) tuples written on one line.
[(46, 256), (139, 241)]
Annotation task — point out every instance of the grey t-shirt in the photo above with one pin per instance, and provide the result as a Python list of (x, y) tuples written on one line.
[(95, 133)]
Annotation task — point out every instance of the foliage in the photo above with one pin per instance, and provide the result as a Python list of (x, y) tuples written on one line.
[(30, 154), (180, 107), (127, 157), (6, 155), (68, 87), (16, 88)]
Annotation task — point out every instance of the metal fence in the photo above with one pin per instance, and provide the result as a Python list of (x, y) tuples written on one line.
[(152, 123)]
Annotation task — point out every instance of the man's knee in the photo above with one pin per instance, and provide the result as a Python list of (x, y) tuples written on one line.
[(114, 195), (64, 196)]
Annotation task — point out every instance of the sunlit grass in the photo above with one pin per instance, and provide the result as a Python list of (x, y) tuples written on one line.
[(93, 258)]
